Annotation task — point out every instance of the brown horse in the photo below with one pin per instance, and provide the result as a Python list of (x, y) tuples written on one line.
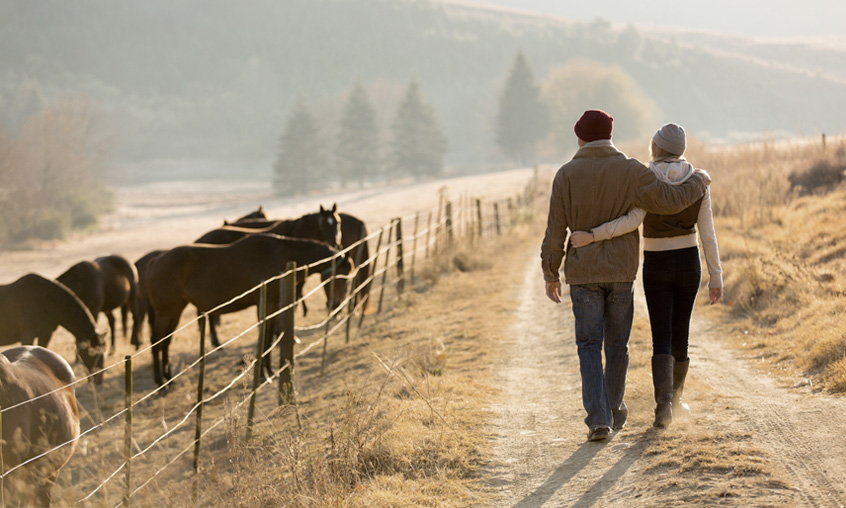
[(33, 307), (105, 284), (36, 427), (210, 275)]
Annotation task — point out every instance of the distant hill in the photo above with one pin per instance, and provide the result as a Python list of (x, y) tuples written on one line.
[(214, 78)]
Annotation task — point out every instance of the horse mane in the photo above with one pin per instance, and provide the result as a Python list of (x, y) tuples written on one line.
[(77, 318)]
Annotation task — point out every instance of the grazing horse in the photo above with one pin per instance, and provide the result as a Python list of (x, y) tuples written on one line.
[(210, 275), (325, 225), (33, 307), (38, 426), (142, 302), (105, 284)]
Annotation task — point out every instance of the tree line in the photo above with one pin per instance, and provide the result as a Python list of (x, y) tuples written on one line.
[(534, 121), (415, 148)]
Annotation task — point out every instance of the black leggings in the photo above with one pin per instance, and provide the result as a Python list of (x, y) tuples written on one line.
[(671, 280)]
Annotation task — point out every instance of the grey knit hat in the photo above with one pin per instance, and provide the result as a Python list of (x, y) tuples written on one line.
[(671, 138)]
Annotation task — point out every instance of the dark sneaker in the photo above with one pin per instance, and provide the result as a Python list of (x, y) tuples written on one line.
[(619, 418), (599, 434)]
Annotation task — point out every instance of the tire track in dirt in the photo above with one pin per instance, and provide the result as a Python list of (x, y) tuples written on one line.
[(540, 454)]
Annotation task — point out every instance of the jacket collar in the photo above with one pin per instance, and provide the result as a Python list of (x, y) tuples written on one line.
[(597, 151)]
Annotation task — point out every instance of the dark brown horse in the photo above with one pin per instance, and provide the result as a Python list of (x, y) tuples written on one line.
[(210, 275), (34, 428), (33, 307), (105, 284)]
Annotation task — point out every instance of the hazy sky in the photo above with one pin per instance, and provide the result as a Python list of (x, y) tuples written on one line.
[(768, 18)]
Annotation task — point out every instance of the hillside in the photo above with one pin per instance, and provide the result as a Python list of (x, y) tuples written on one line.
[(214, 79)]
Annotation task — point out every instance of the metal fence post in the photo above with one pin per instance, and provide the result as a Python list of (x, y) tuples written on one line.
[(496, 219)]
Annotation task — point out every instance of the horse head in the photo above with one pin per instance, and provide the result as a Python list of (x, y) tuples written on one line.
[(91, 351), (329, 223)]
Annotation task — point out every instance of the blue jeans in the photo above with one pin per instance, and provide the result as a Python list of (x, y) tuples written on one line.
[(603, 315)]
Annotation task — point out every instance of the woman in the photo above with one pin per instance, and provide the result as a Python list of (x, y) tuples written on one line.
[(671, 269)]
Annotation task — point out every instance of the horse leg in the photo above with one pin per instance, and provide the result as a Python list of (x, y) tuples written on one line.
[(163, 327), (214, 322), (111, 319), (124, 317), (157, 364), (300, 297)]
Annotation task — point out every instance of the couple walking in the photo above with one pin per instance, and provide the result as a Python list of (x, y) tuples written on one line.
[(601, 196)]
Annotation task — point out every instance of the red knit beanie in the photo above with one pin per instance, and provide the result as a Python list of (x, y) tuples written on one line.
[(594, 124)]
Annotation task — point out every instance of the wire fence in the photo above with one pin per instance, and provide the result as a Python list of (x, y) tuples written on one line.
[(116, 444)]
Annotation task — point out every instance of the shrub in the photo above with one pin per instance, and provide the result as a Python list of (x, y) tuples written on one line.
[(822, 176)]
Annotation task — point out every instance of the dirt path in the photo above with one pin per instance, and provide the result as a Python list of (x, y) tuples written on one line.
[(542, 458)]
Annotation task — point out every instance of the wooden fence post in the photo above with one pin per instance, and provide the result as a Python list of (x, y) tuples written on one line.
[(414, 246), (449, 222), (260, 351), (353, 291), (127, 432), (374, 266), (387, 261), (479, 215), (496, 219), (400, 259), (428, 235), (198, 433), (288, 297), (2, 466)]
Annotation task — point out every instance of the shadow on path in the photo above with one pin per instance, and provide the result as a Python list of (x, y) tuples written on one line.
[(575, 463)]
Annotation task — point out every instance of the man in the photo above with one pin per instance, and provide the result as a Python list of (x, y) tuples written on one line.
[(601, 183)]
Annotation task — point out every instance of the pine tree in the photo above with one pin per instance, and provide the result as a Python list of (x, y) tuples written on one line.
[(298, 168), (357, 151), (418, 144), (523, 119)]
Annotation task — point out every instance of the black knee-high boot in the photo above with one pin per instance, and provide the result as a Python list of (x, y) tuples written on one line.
[(662, 381)]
